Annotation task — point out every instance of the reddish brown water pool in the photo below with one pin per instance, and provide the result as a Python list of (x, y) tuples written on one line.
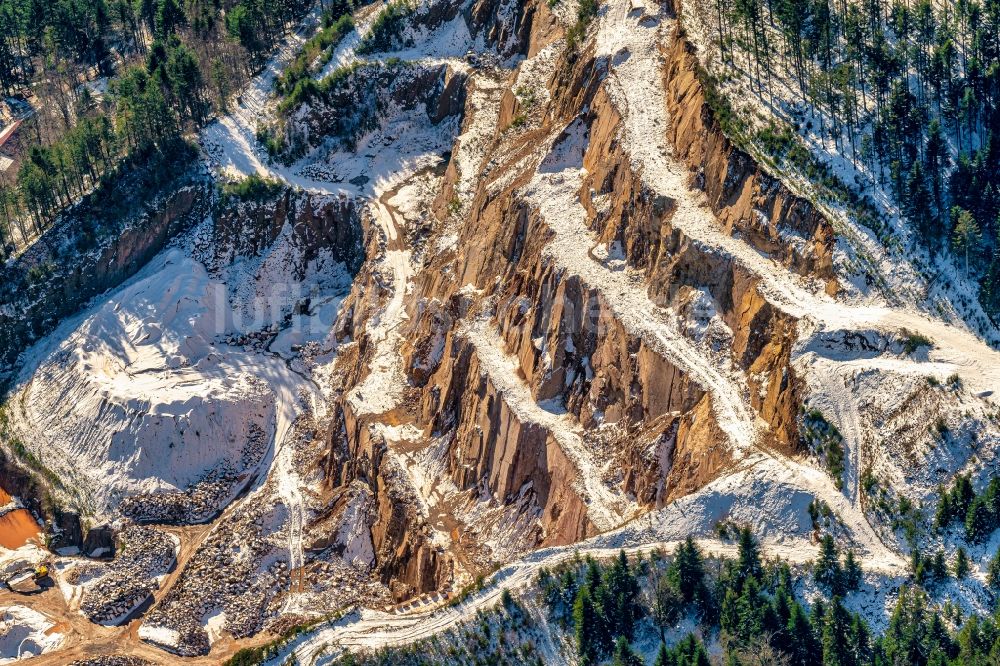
[(16, 527)]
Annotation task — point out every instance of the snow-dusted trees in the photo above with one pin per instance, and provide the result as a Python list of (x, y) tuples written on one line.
[(908, 89), (978, 513), (753, 614), (167, 62), (832, 577)]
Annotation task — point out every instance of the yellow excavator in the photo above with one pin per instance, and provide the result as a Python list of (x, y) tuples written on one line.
[(30, 580)]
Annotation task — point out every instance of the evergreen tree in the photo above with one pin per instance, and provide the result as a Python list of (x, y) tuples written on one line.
[(962, 495), (689, 652), (624, 655), (965, 237), (827, 571), (936, 160), (804, 650), (687, 573), (937, 568), (748, 562), (961, 566), (904, 641), (859, 641), (993, 571), (852, 572), (662, 657), (979, 520), (918, 204), (618, 602), (585, 622), (836, 635), (943, 514)]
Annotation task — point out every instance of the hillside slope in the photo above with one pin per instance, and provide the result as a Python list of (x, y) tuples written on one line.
[(495, 288)]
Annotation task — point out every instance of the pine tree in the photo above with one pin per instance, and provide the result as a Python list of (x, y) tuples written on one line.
[(993, 571), (938, 567), (690, 652), (748, 563), (904, 641), (827, 571), (961, 566), (943, 514), (836, 635), (662, 657), (729, 614), (816, 616), (624, 655), (936, 160), (803, 650), (585, 622), (918, 203), (618, 603), (962, 495), (966, 234), (687, 573), (979, 520), (937, 637), (852, 572)]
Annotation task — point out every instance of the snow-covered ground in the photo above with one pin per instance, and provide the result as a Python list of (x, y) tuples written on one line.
[(141, 394), (26, 633)]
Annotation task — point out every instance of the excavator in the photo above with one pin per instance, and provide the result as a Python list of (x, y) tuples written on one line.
[(30, 580)]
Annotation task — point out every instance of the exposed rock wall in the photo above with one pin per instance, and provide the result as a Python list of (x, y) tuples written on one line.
[(406, 560), (65, 284), (639, 222), (492, 446), (318, 223), (744, 196), (569, 346)]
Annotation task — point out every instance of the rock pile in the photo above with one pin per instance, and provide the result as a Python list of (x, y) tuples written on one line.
[(113, 660), (235, 571), (203, 500), (130, 579)]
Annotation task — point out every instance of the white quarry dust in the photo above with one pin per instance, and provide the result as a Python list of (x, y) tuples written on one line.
[(382, 388), (139, 394), (25, 633)]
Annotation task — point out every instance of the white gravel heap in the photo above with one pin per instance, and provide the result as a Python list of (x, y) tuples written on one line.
[(129, 580), (205, 499)]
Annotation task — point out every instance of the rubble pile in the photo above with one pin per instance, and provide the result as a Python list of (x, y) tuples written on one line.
[(145, 553), (113, 660), (236, 570), (205, 499)]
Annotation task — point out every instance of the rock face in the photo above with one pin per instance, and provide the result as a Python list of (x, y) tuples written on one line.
[(317, 223), (745, 199), (523, 371), (47, 287), (66, 531), (100, 542), (369, 90)]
